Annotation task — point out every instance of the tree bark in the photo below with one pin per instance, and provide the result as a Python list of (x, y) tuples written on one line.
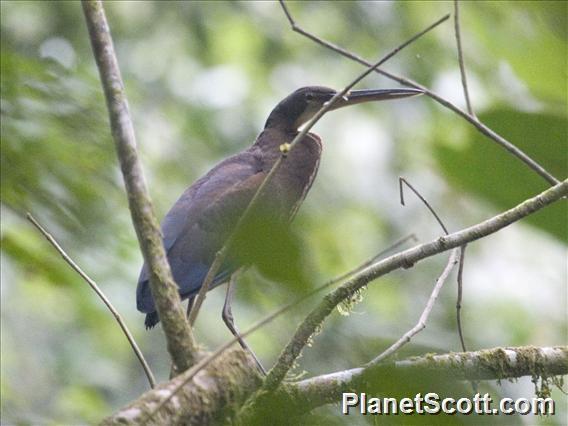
[(216, 393), (179, 337)]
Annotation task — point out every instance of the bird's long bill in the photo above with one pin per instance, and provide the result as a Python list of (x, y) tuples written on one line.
[(370, 95)]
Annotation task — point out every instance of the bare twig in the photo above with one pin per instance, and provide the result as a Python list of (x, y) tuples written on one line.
[(221, 254), (421, 324), (373, 67), (460, 58), (408, 257), (474, 385), (442, 101), (459, 298), (181, 345), (402, 180), (101, 295)]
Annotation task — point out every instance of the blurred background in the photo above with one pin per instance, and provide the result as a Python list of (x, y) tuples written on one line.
[(201, 78)]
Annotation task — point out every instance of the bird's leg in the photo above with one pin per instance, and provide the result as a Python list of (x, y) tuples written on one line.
[(190, 304), (230, 323)]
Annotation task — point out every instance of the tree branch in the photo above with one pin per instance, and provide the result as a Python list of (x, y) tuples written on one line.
[(457, 30), (224, 384), (421, 324), (217, 391), (459, 297), (403, 259), (453, 259), (165, 291), (482, 128), (488, 364), (101, 295), (460, 58)]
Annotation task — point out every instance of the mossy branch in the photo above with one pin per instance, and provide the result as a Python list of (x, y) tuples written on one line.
[(216, 390), (487, 364), (215, 394)]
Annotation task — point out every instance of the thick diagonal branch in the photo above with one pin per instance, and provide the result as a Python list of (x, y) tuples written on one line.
[(403, 259)]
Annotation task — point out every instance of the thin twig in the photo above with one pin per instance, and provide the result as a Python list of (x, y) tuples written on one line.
[(221, 254), (179, 337), (460, 58), (402, 180), (442, 101), (459, 299), (101, 295), (470, 111), (474, 384), (421, 324), (373, 67)]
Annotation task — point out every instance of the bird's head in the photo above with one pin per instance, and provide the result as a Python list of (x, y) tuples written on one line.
[(301, 105)]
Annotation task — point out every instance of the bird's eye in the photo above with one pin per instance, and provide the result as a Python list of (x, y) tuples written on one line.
[(309, 97)]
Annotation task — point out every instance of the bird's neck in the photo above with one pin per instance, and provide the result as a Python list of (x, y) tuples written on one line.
[(271, 139), (280, 118)]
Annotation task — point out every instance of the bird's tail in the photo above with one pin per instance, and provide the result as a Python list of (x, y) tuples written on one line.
[(151, 320)]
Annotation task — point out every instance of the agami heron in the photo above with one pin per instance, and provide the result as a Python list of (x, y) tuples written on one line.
[(206, 214)]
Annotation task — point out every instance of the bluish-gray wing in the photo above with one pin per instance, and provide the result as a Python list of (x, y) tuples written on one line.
[(194, 250), (182, 221)]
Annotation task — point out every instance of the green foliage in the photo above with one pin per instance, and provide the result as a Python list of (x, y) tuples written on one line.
[(276, 252), (540, 38), (480, 167), (201, 78), (56, 157)]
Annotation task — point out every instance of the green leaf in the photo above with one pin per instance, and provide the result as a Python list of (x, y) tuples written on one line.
[(483, 168), (531, 38)]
